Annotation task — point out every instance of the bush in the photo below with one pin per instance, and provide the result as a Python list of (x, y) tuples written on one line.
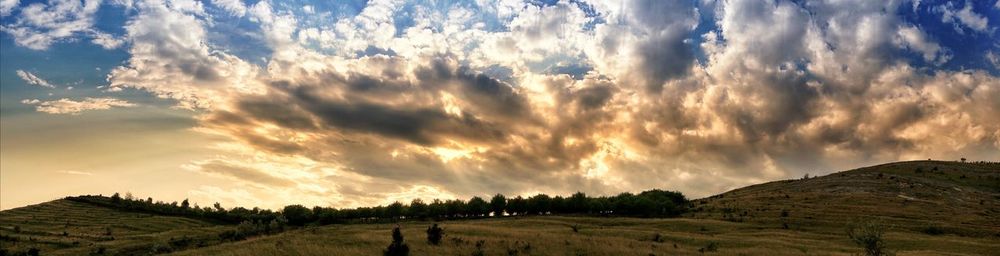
[(479, 248), (710, 247), (434, 234), (933, 230), (397, 247), (868, 236)]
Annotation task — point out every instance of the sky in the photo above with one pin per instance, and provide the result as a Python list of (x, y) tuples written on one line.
[(358, 103)]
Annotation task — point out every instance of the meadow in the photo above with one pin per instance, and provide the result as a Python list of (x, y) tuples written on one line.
[(925, 208)]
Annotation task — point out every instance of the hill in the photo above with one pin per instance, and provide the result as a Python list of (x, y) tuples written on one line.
[(928, 208), (65, 227), (951, 197)]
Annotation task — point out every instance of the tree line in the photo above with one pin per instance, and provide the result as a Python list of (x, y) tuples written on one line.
[(650, 203)]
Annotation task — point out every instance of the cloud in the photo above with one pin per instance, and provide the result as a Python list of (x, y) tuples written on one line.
[(107, 41), (520, 98), (72, 107), (32, 79), (39, 25), (169, 58), (234, 7), (916, 40), (7, 6), (966, 16), (240, 172), (74, 172)]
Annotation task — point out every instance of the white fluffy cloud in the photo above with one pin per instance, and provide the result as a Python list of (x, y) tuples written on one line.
[(73, 107), (7, 6), (41, 24), (32, 79), (170, 57), (965, 16)]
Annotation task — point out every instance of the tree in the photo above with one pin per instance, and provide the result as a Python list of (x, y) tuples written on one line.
[(116, 198), (437, 209), (434, 234), (868, 236), (185, 204), (517, 205), (539, 204), (297, 215), (418, 209), (397, 247), (498, 204), (394, 210), (577, 203), (477, 207), (455, 208), (325, 215)]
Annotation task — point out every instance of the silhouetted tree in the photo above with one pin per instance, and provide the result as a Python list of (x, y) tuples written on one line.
[(517, 205), (437, 209), (578, 203), (326, 215), (394, 210), (539, 204), (497, 204), (455, 208), (297, 215), (418, 209), (185, 204), (477, 207)]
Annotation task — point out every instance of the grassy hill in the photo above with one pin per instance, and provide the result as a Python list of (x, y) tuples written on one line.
[(928, 207), (64, 227)]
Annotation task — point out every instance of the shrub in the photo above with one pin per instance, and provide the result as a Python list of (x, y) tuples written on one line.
[(397, 247), (868, 236), (658, 238), (784, 213), (434, 234), (710, 247), (479, 248), (933, 230)]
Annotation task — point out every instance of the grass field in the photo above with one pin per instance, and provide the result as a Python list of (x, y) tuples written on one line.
[(553, 235), (929, 208), (64, 227)]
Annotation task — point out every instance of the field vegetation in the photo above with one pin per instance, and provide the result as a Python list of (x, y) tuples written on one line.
[(906, 208)]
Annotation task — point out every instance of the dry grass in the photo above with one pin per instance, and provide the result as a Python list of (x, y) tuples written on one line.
[(597, 236), (958, 201), (86, 227)]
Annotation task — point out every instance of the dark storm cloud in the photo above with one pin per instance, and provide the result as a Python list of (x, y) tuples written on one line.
[(424, 126), (488, 94), (663, 52)]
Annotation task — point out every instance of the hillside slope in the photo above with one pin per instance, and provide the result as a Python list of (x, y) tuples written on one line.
[(956, 198), (64, 227)]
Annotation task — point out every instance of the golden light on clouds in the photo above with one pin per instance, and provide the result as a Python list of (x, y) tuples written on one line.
[(352, 108)]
